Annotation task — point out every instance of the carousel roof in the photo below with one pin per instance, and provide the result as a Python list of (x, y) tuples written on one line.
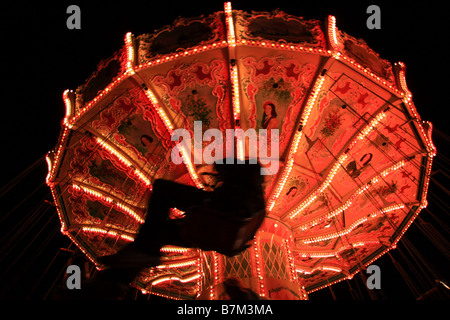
[(354, 154)]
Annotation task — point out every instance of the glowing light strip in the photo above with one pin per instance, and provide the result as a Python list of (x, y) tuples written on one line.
[(286, 172), (187, 52), (317, 254), (259, 271), (350, 276), (185, 155), (367, 129), (94, 101), (333, 253), (231, 36), (234, 74), (316, 193), (109, 233), (402, 79), (50, 168), (110, 149), (374, 122), (224, 43), (429, 145), (200, 271), (295, 143), (172, 249), (335, 45), (129, 71), (60, 214), (331, 268), (235, 92), (68, 105), (322, 268), (348, 203), (119, 206), (374, 258), (389, 170), (428, 138), (165, 296), (130, 53), (57, 158), (159, 110), (185, 279), (353, 225), (405, 228), (215, 275), (283, 46), (312, 100), (180, 264), (85, 252), (427, 179), (190, 167), (332, 33), (356, 66)]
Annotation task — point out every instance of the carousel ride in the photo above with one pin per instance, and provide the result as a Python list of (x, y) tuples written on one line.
[(354, 154)]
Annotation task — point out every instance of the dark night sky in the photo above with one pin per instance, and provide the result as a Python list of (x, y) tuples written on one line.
[(41, 58)]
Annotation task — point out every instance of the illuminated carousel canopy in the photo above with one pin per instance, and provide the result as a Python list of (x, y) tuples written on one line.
[(354, 154)]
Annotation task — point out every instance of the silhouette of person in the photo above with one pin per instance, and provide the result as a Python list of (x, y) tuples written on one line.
[(239, 193)]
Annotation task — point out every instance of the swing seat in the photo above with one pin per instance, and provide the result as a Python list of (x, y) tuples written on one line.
[(213, 230)]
